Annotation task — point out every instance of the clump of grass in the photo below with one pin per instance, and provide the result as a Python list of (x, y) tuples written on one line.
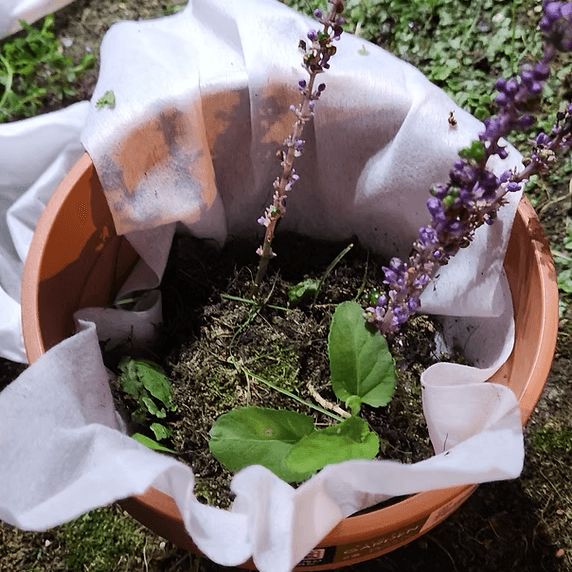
[(34, 71)]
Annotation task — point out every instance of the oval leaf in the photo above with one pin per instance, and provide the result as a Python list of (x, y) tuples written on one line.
[(360, 361), (259, 436), (350, 439)]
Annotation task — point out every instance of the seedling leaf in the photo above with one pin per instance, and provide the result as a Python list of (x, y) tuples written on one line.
[(303, 290), (148, 442), (107, 99)]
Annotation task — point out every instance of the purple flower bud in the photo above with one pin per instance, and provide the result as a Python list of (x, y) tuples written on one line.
[(546, 24), (527, 77), (318, 14), (321, 87), (541, 71), (400, 315), (382, 301), (553, 10), (542, 139), (390, 275), (421, 280), (302, 84), (513, 187), (261, 220), (505, 176), (525, 122), (535, 87), (439, 191), (502, 99), (435, 207), (427, 236), (500, 84), (502, 153), (312, 35), (396, 264), (511, 87), (413, 303)]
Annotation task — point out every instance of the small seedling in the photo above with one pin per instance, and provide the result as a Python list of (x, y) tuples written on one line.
[(106, 100), (145, 382)]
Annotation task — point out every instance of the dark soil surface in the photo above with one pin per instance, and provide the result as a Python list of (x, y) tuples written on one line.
[(524, 525), (214, 348)]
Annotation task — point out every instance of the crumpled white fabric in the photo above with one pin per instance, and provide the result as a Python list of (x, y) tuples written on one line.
[(206, 91), (12, 11), (35, 154)]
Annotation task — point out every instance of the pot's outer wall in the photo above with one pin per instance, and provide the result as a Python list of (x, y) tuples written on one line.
[(77, 260)]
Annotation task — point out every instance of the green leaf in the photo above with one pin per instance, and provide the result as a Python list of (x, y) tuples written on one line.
[(128, 379), (160, 431), (148, 442), (350, 439), (303, 290), (107, 99), (476, 151), (155, 381), (259, 436), (360, 361), (152, 408)]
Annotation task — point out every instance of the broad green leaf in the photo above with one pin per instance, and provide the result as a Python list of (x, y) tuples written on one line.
[(350, 439), (360, 361), (259, 436), (148, 442)]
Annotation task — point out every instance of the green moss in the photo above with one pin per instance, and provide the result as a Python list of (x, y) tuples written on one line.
[(549, 440), (101, 539)]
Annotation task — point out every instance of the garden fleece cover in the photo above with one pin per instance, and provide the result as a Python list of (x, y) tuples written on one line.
[(207, 91)]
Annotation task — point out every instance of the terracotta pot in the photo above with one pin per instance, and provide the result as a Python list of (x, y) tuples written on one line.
[(77, 260)]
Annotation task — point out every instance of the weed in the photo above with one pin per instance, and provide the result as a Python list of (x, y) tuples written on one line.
[(34, 70)]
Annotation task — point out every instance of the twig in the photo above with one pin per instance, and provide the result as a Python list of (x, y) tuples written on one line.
[(325, 403)]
